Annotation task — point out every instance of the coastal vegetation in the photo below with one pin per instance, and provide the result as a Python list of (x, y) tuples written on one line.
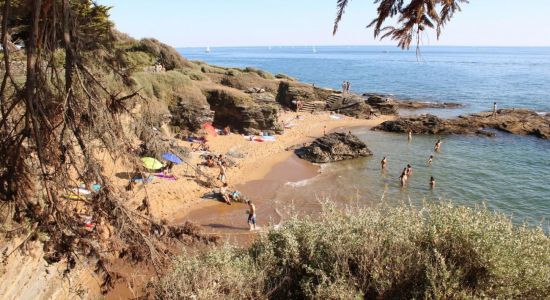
[(439, 251)]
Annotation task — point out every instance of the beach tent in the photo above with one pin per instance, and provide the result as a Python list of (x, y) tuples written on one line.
[(171, 157), (210, 129), (151, 163)]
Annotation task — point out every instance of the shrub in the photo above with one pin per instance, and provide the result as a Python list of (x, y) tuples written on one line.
[(439, 251)]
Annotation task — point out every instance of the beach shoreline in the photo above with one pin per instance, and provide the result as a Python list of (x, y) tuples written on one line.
[(266, 167)]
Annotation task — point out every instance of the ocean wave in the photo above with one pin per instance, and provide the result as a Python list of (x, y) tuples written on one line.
[(300, 183)]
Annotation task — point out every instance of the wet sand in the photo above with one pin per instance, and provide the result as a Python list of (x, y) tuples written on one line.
[(230, 221)]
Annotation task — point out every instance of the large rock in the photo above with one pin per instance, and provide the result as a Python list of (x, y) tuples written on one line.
[(354, 106), (334, 147), (384, 105), (241, 113), (515, 121)]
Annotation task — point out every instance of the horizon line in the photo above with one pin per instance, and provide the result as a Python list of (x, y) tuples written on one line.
[(368, 45)]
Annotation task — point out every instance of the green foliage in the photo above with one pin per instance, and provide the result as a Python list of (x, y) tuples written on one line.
[(166, 55), (438, 252), (138, 60), (162, 85), (263, 74)]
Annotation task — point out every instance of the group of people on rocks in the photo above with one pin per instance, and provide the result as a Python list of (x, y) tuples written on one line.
[(408, 170)]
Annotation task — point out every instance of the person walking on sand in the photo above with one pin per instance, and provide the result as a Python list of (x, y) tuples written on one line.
[(403, 178), (410, 136), (437, 146), (432, 182), (251, 215), (430, 160), (494, 109), (383, 163)]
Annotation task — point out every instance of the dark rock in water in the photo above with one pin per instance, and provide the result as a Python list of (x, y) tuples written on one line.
[(408, 104), (515, 121), (334, 147)]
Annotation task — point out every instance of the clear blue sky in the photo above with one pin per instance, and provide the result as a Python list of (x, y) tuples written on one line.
[(186, 23)]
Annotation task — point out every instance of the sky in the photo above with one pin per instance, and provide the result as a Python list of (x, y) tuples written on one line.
[(191, 23)]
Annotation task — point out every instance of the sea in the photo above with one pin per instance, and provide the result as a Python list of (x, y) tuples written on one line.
[(505, 173)]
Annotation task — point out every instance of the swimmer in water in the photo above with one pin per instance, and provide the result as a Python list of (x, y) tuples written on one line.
[(432, 182), (430, 160), (383, 163)]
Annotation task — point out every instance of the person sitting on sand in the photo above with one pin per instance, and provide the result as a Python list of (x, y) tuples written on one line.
[(409, 169), (226, 130), (432, 182), (403, 178), (430, 160), (437, 146), (168, 168), (221, 176), (236, 196), (225, 194), (383, 163), (251, 215)]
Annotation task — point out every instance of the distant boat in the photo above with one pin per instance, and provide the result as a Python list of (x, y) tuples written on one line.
[(207, 50), (314, 50)]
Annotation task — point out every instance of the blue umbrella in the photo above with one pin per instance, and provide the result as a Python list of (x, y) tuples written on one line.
[(172, 158)]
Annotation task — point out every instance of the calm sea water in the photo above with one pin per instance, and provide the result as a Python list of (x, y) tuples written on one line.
[(510, 174)]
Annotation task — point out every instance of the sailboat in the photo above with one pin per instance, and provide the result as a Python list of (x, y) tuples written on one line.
[(207, 50), (314, 50)]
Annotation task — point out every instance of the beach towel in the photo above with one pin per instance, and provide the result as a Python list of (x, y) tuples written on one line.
[(139, 179), (288, 126), (269, 138), (335, 117), (167, 177)]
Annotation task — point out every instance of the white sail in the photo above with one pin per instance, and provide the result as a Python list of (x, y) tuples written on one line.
[(207, 50)]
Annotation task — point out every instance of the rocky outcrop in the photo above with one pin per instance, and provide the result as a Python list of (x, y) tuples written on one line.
[(408, 104), (334, 147), (353, 106), (241, 113), (515, 121), (294, 91), (382, 105)]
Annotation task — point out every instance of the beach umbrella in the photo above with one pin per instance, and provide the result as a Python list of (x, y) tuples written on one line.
[(151, 163), (172, 158)]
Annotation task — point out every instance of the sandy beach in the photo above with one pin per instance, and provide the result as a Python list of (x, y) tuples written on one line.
[(178, 200)]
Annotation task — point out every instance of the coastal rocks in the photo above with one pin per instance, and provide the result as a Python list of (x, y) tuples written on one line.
[(241, 113), (333, 147), (353, 106), (407, 104), (290, 92), (382, 105), (515, 121), (191, 115)]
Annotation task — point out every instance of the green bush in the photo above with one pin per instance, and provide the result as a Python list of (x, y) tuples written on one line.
[(438, 252)]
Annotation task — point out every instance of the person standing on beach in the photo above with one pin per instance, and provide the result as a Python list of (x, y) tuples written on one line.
[(221, 176), (348, 86), (344, 86), (494, 109), (325, 130), (432, 182), (251, 216), (437, 146), (410, 136), (383, 163), (430, 160)]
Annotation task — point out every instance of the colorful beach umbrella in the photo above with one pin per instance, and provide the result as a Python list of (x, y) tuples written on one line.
[(172, 158), (151, 163), (210, 129)]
